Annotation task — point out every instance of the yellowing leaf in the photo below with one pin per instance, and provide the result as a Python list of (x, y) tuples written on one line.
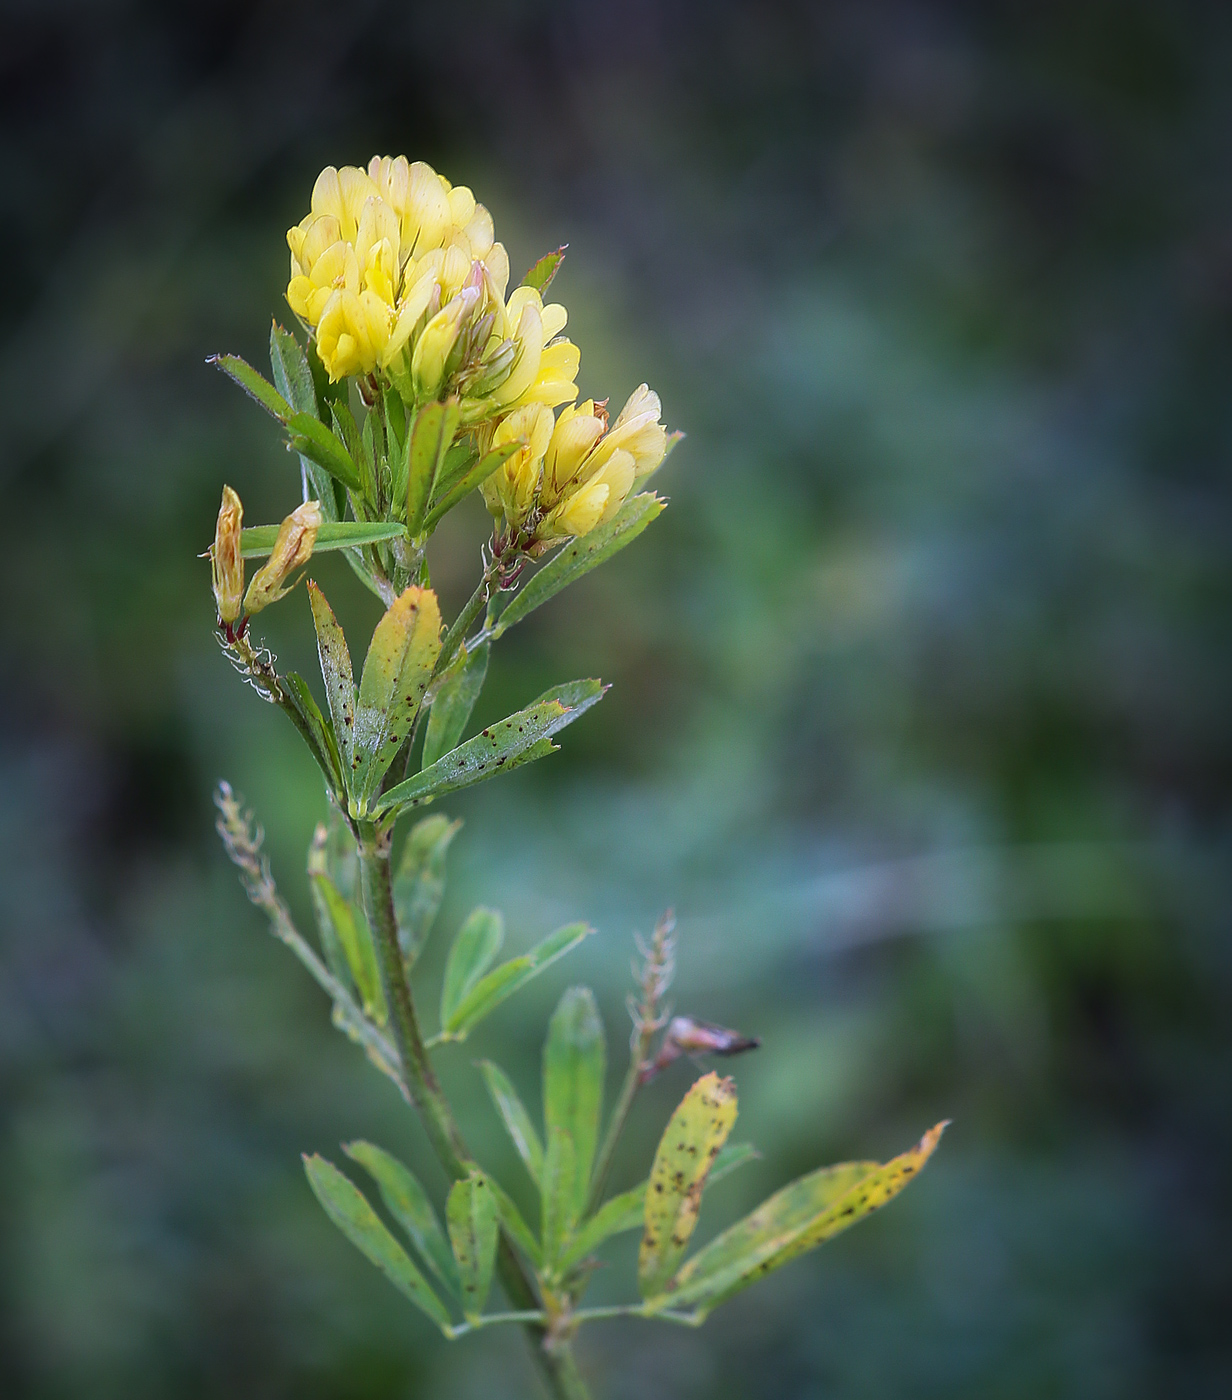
[(396, 673), (336, 673), (797, 1218), (692, 1140)]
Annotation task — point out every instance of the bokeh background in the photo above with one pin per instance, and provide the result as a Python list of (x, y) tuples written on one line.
[(921, 687)]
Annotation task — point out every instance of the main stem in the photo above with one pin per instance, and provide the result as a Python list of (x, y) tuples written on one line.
[(556, 1363)]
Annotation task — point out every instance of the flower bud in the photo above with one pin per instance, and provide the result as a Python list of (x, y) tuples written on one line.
[(293, 547), (228, 566), (437, 340)]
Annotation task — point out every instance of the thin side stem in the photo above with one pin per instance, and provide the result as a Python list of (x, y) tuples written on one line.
[(620, 1114)]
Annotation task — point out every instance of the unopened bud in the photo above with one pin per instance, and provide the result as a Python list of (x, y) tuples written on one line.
[(228, 566), (437, 340), (296, 536), (495, 369)]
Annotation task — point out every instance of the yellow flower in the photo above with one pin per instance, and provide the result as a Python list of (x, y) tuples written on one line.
[(512, 488), (296, 536), (543, 372), (225, 561), (594, 501), (637, 430), (352, 332)]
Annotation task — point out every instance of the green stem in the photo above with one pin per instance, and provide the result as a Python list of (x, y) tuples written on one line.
[(457, 632), (557, 1365)]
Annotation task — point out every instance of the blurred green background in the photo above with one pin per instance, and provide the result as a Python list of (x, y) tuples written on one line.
[(921, 686)]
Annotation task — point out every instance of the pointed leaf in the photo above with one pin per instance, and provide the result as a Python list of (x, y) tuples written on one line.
[(521, 738), (331, 944), (258, 540), (501, 983), (452, 706), (449, 496), (734, 1155), (346, 1206), (436, 425), (311, 438), (471, 1213), (336, 672), (515, 1226), (540, 276), (419, 885), (396, 672), (574, 1059), (477, 942), (324, 743), (515, 1118), (556, 1198), (292, 376), (579, 556), (797, 1218), (355, 938), (254, 384), (623, 1212), (408, 1203), (691, 1141)]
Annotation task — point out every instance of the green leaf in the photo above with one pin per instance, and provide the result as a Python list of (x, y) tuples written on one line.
[(521, 738), (579, 556), (336, 672), (694, 1135), (324, 743), (515, 1226), (574, 1059), (346, 1206), (471, 1213), (453, 704), (477, 942), (331, 945), (312, 439), (515, 1117), (436, 425), (258, 540), (734, 1155), (408, 1203), (465, 484), (292, 376), (254, 384), (799, 1217), (540, 276), (501, 983), (624, 1212), (556, 1197), (351, 929), (419, 885), (396, 672)]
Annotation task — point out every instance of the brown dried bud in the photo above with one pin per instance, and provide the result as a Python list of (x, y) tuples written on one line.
[(293, 547), (225, 559)]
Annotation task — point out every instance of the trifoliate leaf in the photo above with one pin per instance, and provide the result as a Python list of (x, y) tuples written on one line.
[(474, 946), (488, 992)]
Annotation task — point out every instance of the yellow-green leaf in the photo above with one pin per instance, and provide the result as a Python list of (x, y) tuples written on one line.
[(337, 674), (419, 885), (797, 1218), (693, 1138), (347, 1207), (324, 744), (521, 738), (501, 983), (476, 943), (574, 1059), (471, 1212), (515, 1118), (453, 705), (408, 1203), (396, 673)]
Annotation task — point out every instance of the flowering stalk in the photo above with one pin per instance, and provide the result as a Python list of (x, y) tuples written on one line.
[(419, 379)]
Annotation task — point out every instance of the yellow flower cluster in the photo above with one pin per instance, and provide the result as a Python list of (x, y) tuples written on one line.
[(398, 271), (399, 275), (573, 472)]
